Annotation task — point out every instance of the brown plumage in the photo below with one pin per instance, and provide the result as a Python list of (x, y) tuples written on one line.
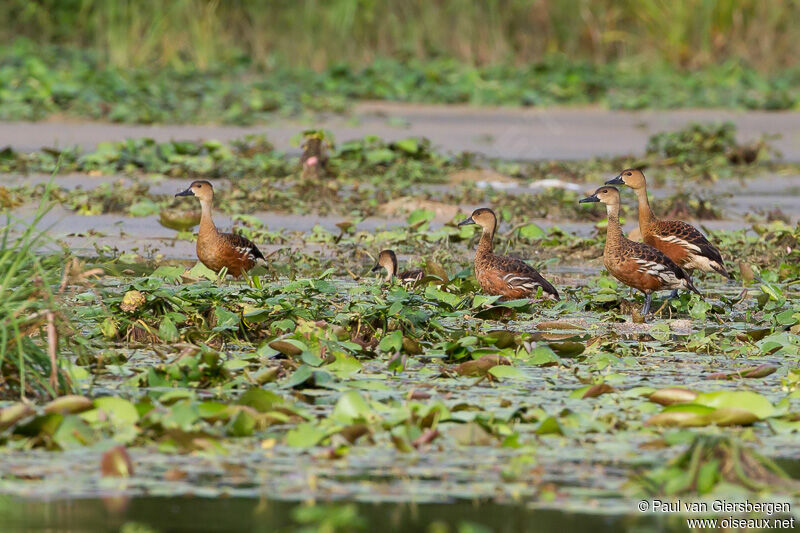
[(387, 260), (498, 274), (217, 250), (681, 242), (636, 264)]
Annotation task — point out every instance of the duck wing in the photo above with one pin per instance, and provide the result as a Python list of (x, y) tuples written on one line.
[(242, 245), (411, 275), (654, 262), (692, 241), (518, 274)]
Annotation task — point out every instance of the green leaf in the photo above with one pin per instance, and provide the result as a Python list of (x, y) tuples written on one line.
[(447, 298), (504, 371), (144, 208), (707, 476), (351, 408), (543, 355), (420, 216), (259, 399), (304, 435), (167, 331), (409, 145), (532, 232), (121, 412), (170, 273), (226, 320), (242, 425), (298, 377), (746, 400), (73, 432), (773, 291), (392, 342), (344, 366), (699, 310), (549, 426)]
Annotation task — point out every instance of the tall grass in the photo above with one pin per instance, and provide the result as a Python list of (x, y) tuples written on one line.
[(318, 33), (31, 313)]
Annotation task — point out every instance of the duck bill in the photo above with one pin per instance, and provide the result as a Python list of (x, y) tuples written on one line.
[(616, 181), (588, 199), (376, 268), (466, 222), (187, 192)]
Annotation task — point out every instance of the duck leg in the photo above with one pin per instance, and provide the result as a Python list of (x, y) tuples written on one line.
[(673, 294), (647, 301)]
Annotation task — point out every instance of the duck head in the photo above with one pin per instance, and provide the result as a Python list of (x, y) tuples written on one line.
[(632, 177), (605, 195), (388, 260), (483, 217), (202, 189)]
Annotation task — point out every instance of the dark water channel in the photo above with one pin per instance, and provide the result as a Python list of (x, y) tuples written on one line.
[(176, 514)]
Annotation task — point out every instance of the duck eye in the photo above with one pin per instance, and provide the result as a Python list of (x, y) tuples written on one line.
[(627, 173)]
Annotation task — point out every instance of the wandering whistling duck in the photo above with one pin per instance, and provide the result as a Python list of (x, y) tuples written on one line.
[(217, 250), (387, 259), (636, 264), (681, 242), (498, 274)]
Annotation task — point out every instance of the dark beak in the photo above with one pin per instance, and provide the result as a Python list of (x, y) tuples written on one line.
[(616, 181), (466, 222), (187, 192), (376, 268), (592, 198)]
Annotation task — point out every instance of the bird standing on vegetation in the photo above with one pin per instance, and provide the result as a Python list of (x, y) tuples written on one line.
[(681, 242), (217, 250), (636, 264), (387, 259), (497, 274)]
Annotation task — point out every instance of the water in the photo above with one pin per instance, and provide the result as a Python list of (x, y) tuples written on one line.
[(195, 514)]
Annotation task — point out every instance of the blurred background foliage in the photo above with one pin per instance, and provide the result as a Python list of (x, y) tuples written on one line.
[(686, 34)]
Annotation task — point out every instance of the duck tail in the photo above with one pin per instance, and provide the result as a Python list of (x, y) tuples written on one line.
[(548, 288)]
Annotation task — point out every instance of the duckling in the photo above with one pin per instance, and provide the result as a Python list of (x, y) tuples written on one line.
[(217, 250), (498, 274), (636, 264), (388, 259), (681, 242)]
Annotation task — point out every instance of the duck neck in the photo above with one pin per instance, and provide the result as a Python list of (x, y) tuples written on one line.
[(485, 245), (206, 222), (613, 230), (645, 213), (391, 270)]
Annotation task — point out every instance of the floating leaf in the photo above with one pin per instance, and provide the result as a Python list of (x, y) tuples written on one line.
[(116, 463), (746, 400), (304, 435), (672, 395), (506, 372), (350, 408)]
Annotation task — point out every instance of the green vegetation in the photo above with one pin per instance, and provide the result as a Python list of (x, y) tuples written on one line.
[(203, 32), (31, 307), (39, 82), (312, 378), (361, 378)]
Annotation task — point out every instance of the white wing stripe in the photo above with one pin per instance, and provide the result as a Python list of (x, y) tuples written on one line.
[(681, 242)]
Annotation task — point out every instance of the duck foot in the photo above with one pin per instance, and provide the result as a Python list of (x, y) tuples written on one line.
[(673, 294), (648, 299)]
